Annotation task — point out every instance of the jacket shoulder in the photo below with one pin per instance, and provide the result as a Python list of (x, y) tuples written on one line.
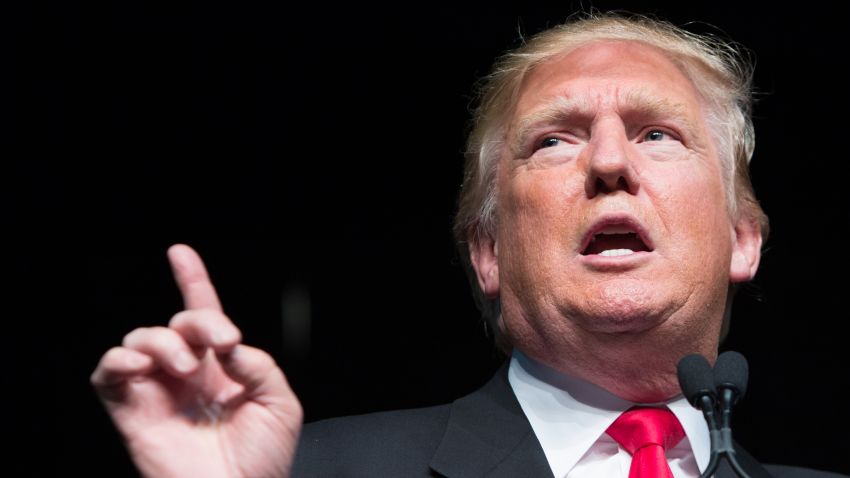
[(395, 443), (780, 471)]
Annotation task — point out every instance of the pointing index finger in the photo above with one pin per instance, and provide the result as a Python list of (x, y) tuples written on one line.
[(192, 278)]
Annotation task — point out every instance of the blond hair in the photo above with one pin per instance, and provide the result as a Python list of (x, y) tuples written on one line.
[(720, 71)]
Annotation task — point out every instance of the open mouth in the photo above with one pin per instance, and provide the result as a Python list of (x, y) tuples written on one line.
[(614, 240)]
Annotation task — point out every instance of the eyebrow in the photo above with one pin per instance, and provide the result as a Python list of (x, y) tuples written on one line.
[(563, 109), (560, 110)]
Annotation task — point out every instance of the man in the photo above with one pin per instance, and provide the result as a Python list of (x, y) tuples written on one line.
[(606, 215)]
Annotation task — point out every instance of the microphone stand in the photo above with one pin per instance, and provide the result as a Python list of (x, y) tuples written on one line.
[(727, 447), (701, 385), (707, 406)]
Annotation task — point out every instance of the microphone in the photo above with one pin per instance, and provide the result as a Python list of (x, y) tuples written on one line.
[(731, 372), (697, 382)]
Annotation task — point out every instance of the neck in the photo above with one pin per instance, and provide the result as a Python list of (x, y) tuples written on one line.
[(633, 367)]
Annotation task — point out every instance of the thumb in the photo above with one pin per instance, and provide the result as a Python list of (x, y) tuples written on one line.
[(263, 380)]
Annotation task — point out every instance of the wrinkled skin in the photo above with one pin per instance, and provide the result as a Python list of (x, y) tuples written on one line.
[(613, 130), (190, 400)]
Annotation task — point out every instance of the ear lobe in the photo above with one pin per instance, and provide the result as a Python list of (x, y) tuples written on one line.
[(746, 250), (484, 253)]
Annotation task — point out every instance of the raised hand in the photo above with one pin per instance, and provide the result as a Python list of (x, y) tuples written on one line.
[(191, 400)]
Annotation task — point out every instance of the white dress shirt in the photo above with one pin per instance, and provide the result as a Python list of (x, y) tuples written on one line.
[(570, 416)]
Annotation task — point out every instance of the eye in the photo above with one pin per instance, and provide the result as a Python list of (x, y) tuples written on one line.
[(655, 135), (549, 142)]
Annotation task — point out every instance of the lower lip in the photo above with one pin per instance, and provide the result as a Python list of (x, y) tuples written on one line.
[(614, 263)]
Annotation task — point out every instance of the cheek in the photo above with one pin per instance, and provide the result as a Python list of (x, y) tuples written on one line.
[(536, 208), (694, 210), (534, 226)]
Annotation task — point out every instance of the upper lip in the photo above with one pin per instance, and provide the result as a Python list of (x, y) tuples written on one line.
[(624, 220)]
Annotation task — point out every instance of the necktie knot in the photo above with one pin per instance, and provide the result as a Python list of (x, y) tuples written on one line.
[(646, 433)]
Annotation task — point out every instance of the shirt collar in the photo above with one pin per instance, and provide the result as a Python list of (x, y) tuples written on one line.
[(554, 402)]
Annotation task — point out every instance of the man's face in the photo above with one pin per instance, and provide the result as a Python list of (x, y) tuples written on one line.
[(612, 216)]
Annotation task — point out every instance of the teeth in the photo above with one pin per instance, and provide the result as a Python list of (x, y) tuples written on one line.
[(616, 229), (616, 252)]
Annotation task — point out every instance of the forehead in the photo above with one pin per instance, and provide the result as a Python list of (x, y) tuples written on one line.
[(608, 74)]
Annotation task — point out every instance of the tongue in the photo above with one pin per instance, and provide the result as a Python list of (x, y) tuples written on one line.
[(604, 242)]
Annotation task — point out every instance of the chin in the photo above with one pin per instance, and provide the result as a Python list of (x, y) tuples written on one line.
[(617, 308), (622, 322)]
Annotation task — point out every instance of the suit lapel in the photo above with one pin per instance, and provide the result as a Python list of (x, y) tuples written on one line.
[(488, 435)]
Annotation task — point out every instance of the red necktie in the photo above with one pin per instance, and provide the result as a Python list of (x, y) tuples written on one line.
[(647, 433)]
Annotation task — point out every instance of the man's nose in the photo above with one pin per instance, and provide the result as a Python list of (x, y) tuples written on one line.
[(610, 165)]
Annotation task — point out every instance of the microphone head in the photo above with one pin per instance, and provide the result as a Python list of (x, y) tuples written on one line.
[(732, 371), (695, 378)]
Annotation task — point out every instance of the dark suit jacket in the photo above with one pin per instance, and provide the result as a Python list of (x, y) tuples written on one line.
[(483, 434)]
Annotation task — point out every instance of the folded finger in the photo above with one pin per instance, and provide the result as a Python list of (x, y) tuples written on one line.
[(165, 346), (263, 380), (206, 328), (116, 367)]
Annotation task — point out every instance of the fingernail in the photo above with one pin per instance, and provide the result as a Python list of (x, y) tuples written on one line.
[(221, 337), (184, 362), (136, 361)]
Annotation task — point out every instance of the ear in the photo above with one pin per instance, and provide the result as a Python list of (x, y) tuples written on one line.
[(484, 253), (746, 250)]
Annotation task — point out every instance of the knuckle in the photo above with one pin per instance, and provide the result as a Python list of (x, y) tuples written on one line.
[(260, 358), (110, 363), (95, 378), (214, 316), (134, 336), (197, 318), (297, 410), (181, 318), (151, 337), (112, 356)]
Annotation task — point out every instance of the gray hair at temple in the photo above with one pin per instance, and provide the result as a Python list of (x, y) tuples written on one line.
[(720, 71)]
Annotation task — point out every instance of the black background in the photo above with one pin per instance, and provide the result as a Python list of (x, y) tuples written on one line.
[(318, 149)]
